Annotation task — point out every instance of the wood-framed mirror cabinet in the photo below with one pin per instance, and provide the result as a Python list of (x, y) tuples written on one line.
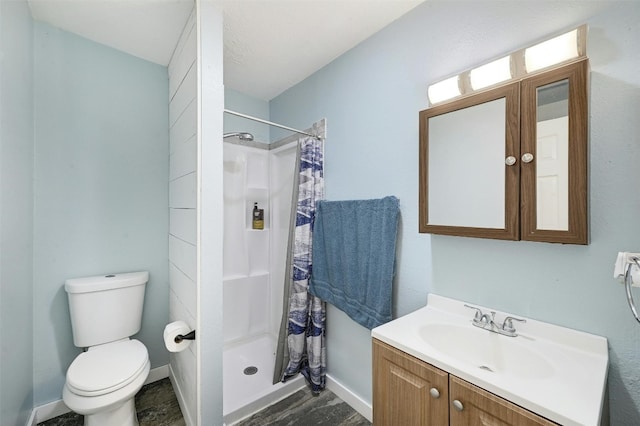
[(510, 162)]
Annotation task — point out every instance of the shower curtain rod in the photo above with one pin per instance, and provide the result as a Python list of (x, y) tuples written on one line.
[(271, 123)]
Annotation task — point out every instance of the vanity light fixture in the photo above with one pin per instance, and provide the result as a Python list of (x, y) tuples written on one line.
[(445, 89), (492, 73), (560, 50), (557, 50)]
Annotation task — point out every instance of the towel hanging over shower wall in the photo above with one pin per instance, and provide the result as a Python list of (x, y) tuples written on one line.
[(354, 249)]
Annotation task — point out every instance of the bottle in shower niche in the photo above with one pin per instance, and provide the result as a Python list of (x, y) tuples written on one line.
[(258, 217)]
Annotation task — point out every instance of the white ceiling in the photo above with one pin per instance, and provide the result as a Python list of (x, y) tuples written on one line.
[(269, 45), (148, 29)]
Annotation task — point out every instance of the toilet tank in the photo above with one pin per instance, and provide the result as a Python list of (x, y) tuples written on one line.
[(105, 308)]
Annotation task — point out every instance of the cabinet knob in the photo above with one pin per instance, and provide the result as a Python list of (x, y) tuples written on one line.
[(510, 160), (457, 405), (434, 393), (527, 157)]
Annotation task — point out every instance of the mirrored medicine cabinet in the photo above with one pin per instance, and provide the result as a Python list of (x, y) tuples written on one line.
[(509, 163)]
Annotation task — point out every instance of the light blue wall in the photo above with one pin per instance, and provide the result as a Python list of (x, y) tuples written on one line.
[(16, 213), (239, 102), (101, 192), (371, 97)]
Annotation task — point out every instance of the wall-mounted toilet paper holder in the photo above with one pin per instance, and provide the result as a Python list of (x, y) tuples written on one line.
[(189, 336)]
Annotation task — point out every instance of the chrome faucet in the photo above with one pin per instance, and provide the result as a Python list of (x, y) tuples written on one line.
[(507, 326), (486, 321)]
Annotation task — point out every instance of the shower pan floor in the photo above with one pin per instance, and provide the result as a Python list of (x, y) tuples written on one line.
[(245, 394)]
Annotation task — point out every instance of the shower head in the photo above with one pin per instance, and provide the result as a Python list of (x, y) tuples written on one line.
[(243, 136)]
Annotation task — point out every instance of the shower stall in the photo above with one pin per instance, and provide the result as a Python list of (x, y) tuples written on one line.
[(254, 270)]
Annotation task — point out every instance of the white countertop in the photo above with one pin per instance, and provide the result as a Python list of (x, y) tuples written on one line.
[(568, 367)]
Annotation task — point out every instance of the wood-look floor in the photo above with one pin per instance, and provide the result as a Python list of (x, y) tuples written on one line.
[(156, 405), (304, 409)]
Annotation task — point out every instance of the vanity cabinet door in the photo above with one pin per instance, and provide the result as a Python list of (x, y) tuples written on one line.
[(472, 406), (406, 390)]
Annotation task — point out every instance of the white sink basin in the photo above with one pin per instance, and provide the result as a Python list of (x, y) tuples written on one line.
[(486, 350), (553, 371)]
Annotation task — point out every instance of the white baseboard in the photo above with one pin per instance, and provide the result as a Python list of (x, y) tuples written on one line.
[(180, 397), (158, 373), (49, 411), (31, 421), (356, 402), (57, 408)]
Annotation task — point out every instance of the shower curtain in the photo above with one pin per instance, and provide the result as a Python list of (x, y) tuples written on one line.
[(301, 344)]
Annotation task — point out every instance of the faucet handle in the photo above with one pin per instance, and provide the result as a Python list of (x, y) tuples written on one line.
[(478, 314), (507, 325)]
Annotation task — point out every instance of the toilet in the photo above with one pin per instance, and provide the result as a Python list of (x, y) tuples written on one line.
[(103, 380)]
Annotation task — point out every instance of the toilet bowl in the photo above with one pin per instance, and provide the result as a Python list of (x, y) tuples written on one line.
[(102, 382)]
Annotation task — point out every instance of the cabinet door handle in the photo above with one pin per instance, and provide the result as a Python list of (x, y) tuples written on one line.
[(457, 405), (527, 157), (434, 393), (510, 160)]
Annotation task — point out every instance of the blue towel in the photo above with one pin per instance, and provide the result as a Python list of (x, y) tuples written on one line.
[(354, 250)]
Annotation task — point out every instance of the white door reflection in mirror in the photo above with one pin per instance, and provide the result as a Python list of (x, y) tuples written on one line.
[(466, 166), (552, 157)]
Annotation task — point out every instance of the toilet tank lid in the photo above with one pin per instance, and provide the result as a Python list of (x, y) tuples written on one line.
[(105, 282)]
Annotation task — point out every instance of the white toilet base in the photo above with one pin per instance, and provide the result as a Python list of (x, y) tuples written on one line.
[(121, 415)]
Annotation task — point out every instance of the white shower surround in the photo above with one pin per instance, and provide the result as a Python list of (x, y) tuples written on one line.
[(254, 271)]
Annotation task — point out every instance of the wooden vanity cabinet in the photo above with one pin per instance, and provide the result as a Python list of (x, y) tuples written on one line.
[(402, 390), (408, 392), (480, 407)]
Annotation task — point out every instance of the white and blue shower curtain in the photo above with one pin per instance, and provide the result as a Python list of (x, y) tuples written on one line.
[(303, 349)]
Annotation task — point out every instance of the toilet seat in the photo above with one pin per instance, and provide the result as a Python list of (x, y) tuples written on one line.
[(106, 368)]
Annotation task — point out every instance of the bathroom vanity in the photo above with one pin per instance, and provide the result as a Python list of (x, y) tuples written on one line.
[(434, 367), (412, 392)]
